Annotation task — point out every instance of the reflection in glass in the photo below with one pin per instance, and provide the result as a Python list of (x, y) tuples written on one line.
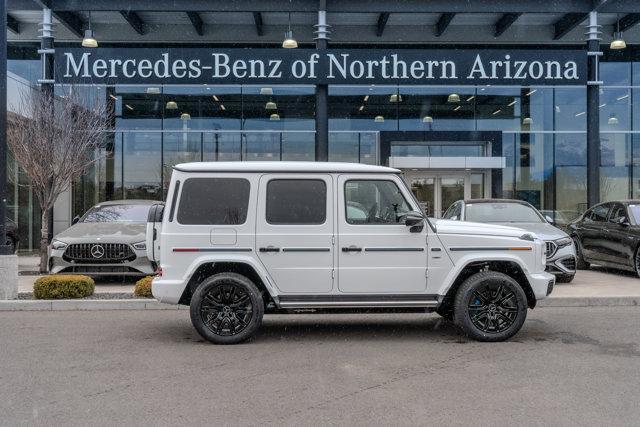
[(141, 165), (437, 108)]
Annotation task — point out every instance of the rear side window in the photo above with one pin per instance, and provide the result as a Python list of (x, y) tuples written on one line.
[(296, 201), (214, 201)]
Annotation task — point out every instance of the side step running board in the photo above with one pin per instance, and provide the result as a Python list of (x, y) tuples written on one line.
[(356, 301)]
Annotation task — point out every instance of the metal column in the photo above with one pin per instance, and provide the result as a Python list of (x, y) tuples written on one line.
[(322, 91), (593, 111), (4, 250)]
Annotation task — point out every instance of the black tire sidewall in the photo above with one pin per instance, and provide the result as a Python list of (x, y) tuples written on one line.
[(218, 280), (461, 312), (581, 264)]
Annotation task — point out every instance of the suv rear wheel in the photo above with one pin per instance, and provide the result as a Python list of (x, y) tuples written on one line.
[(227, 308), (490, 306)]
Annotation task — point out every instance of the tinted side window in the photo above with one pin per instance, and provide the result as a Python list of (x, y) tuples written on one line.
[(599, 213), (296, 201), (374, 202), (214, 201)]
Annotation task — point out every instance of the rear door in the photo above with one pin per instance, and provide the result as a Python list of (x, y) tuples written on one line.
[(378, 253), (295, 231), (621, 241)]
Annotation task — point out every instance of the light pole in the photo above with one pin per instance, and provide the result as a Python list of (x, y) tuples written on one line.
[(4, 249), (8, 261)]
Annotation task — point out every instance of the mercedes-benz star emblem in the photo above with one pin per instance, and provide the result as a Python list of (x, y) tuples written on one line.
[(97, 251)]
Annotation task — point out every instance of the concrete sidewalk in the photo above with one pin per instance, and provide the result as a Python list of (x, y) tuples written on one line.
[(595, 287)]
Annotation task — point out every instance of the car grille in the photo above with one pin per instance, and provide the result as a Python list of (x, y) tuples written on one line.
[(552, 248), (99, 253)]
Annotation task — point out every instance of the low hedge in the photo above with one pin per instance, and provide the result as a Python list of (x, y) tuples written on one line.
[(143, 287), (61, 286)]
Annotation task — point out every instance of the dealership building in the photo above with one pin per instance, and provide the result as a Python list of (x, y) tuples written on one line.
[(530, 99)]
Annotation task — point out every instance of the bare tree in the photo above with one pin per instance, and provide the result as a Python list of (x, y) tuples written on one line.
[(54, 140)]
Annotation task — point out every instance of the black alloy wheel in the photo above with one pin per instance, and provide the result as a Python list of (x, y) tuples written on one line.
[(227, 308), (493, 307), (490, 306)]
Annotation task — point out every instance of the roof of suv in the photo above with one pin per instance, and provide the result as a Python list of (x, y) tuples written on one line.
[(282, 167)]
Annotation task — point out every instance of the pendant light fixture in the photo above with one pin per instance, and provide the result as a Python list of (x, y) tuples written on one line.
[(613, 120), (185, 116), (379, 119), (454, 97), (171, 105), (89, 40), (270, 105), (274, 116), (289, 42), (266, 91), (617, 42), (395, 98), (427, 119), (527, 121)]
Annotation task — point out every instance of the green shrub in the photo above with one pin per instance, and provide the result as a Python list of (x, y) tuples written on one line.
[(143, 287), (61, 286)]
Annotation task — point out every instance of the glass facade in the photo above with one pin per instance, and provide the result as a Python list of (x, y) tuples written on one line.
[(543, 134)]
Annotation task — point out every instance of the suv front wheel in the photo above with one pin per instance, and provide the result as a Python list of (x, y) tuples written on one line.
[(490, 306), (227, 308)]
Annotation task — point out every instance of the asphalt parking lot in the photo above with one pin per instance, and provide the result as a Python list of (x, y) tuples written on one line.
[(578, 366)]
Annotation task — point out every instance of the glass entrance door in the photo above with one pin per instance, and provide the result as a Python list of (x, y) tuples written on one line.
[(437, 191)]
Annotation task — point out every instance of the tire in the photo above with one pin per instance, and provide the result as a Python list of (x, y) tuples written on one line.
[(636, 262), (219, 319), (502, 313), (565, 278), (581, 264)]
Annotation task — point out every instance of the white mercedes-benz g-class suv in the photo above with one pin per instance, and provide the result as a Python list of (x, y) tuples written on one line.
[(240, 239)]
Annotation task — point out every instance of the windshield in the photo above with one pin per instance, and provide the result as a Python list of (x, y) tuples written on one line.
[(117, 213), (634, 210), (501, 212)]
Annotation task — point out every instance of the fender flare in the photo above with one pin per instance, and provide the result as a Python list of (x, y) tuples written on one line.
[(471, 258), (232, 258)]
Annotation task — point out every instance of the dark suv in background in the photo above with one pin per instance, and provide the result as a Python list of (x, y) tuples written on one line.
[(608, 234)]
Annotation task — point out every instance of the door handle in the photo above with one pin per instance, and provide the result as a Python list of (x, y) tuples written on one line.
[(269, 249), (352, 249)]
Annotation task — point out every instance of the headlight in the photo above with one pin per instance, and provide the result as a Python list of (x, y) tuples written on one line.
[(58, 245), (565, 241), (141, 246)]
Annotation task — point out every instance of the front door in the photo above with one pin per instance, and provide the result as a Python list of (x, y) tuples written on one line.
[(437, 191), (377, 252)]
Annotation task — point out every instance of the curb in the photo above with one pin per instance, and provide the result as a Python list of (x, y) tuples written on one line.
[(152, 304), (621, 301), (87, 305)]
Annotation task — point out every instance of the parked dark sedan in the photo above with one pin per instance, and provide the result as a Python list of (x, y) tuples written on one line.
[(608, 234)]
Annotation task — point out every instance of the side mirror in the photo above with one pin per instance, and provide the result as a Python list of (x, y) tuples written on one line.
[(75, 220), (549, 219), (623, 221), (415, 220)]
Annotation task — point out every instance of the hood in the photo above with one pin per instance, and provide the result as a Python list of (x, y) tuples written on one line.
[(543, 230), (448, 226), (107, 232)]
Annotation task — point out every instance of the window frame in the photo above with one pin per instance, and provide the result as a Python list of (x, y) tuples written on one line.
[(613, 208), (266, 201), (344, 201), (181, 197), (606, 215)]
